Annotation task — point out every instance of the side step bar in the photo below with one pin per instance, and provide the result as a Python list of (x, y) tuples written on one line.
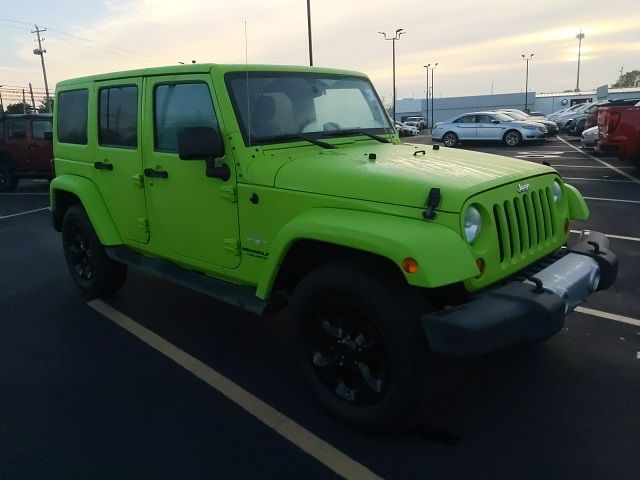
[(240, 296)]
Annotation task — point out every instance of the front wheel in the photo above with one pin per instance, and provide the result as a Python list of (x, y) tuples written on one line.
[(450, 139), (360, 345), (92, 270), (512, 138)]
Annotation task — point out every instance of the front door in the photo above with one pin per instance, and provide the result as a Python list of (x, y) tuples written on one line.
[(16, 143), (192, 218), (465, 127), (118, 156), (487, 130), (40, 145)]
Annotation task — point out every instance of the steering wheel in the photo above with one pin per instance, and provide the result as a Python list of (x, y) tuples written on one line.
[(329, 126)]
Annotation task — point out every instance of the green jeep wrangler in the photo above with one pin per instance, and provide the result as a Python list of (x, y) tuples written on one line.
[(268, 187)]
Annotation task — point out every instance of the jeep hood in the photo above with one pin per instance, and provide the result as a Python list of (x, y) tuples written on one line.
[(402, 174)]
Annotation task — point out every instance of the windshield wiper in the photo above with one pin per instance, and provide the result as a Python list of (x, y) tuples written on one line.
[(298, 136), (356, 131)]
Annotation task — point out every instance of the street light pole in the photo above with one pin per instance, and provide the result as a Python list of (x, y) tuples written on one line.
[(393, 39), (433, 96), (526, 83), (309, 32), (579, 36), (427, 95)]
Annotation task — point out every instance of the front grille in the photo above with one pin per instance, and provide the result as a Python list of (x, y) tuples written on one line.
[(525, 223)]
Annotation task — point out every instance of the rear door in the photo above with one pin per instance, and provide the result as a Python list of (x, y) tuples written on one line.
[(16, 144), (465, 127), (118, 156)]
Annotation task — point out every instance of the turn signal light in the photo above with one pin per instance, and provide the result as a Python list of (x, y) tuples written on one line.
[(480, 264), (410, 265), (566, 226)]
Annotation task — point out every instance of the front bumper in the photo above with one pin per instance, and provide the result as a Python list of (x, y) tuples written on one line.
[(524, 311)]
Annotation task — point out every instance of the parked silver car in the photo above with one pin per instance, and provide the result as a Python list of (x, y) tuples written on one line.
[(552, 127), (487, 126), (589, 137)]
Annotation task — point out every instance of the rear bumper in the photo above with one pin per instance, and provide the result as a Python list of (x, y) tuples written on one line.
[(521, 311)]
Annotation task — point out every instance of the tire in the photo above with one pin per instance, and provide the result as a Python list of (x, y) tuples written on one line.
[(450, 139), (512, 138), (92, 270), (360, 345), (8, 180)]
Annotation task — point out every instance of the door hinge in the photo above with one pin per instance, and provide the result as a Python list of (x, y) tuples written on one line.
[(142, 223), (232, 245), (229, 192), (138, 180)]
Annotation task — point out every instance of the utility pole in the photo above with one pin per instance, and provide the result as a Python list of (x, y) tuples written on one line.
[(433, 96), (309, 32), (620, 79), (579, 36), (1, 104), (24, 102), (41, 52), (427, 66), (33, 102)]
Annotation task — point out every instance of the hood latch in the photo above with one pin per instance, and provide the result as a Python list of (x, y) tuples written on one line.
[(433, 200)]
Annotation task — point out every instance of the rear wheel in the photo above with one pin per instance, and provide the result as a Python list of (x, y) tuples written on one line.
[(92, 270), (512, 138), (450, 139), (360, 344), (8, 180)]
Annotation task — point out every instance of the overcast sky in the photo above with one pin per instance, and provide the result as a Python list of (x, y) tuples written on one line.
[(476, 43)]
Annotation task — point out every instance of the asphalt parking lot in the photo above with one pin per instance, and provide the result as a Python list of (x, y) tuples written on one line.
[(140, 386)]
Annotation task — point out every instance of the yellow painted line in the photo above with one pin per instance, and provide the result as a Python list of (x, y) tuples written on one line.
[(609, 316), (319, 449), (630, 177)]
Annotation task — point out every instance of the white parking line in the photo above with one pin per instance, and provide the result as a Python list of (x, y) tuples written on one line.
[(611, 200), (587, 166), (22, 193), (619, 237), (322, 451), (597, 179), (608, 316), (630, 177), (24, 213)]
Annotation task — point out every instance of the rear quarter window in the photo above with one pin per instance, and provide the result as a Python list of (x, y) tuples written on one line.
[(72, 116)]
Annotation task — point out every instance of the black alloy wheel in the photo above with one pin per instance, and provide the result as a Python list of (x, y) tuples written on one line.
[(8, 180), (450, 139), (348, 351)]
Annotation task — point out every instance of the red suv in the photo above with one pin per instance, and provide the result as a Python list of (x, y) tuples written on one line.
[(619, 129), (26, 148)]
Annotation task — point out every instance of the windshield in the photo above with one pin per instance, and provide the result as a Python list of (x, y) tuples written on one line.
[(282, 105), (502, 117), (516, 115)]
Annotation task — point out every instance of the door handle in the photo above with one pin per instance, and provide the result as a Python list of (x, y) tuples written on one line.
[(103, 166), (150, 172)]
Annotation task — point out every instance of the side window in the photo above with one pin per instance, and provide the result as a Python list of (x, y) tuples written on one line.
[(72, 116), (483, 119), (16, 129), (40, 127), (466, 119), (118, 117), (177, 106)]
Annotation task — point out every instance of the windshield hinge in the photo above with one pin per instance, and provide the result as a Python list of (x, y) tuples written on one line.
[(433, 200), (232, 245), (229, 192)]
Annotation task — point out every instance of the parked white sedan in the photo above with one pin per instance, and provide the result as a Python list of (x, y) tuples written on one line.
[(487, 126)]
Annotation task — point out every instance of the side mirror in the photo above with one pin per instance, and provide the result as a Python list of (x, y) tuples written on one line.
[(495, 121), (48, 135), (204, 143)]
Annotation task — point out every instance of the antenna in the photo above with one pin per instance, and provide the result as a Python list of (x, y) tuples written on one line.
[(246, 65)]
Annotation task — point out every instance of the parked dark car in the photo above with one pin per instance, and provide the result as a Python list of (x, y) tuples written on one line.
[(26, 148), (552, 128), (619, 130)]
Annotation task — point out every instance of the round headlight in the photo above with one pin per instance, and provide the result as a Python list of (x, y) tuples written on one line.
[(557, 191), (472, 223)]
